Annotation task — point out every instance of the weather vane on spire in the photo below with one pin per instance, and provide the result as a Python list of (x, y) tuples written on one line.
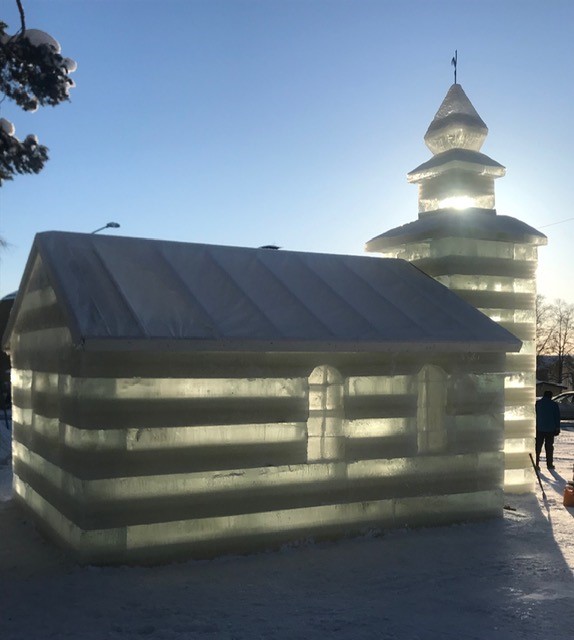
[(454, 63)]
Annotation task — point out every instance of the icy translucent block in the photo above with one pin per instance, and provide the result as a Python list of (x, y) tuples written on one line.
[(519, 480), (487, 422), (22, 416), (471, 247), (443, 466), (470, 385), (325, 448), (516, 362), (45, 382), (96, 545), (431, 409), (213, 484), (48, 428), (528, 348), (50, 475), (445, 185), (166, 388), (376, 427), (282, 480), (39, 295), (525, 252), (436, 510), (488, 283), (214, 435), (455, 135), (477, 248), (518, 445), (325, 375), (38, 300), (21, 378), (166, 438), (448, 197), (339, 516), (518, 316), (519, 413), (325, 398), (324, 425), (525, 364), (460, 203), (97, 440), (42, 342), (432, 442), (525, 315), (410, 252), (517, 381), (520, 396), (378, 385)]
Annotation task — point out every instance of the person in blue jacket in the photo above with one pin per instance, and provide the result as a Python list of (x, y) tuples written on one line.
[(547, 426)]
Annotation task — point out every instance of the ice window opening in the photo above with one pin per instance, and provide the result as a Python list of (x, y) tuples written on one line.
[(325, 438)]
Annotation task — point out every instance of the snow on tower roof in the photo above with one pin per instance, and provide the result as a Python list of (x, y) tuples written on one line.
[(133, 293), (457, 159), (481, 224), (456, 124)]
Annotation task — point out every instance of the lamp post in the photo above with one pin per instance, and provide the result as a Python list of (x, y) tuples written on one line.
[(110, 225)]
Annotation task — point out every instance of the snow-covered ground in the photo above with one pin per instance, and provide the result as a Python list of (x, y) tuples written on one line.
[(505, 579)]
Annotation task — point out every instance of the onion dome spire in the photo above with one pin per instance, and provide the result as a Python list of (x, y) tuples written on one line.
[(456, 124), (458, 176)]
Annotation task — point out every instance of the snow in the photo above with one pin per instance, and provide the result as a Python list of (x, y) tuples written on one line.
[(456, 102), (37, 37), (7, 126), (71, 65), (501, 579), (477, 224)]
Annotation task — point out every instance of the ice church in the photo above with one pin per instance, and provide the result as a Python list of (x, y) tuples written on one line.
[(186, 400)]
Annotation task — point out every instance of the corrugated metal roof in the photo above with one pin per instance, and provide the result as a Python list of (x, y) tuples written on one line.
[(196, 296)]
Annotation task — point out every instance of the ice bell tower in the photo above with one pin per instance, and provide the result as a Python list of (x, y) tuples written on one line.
[(458, 176), (487, 259)]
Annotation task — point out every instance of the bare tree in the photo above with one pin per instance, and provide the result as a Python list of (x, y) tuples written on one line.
[(562, 341), (555, 334), (544, 324)]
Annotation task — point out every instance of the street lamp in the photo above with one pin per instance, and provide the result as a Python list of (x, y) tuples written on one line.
[(110, 225)]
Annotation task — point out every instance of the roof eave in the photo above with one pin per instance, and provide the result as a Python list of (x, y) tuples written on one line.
[(426, 170), (511, 344)]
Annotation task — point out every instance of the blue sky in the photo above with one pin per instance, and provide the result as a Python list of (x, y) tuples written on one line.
[(291, 122)]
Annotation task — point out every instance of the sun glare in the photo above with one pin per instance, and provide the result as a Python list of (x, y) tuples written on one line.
[(457, 202)]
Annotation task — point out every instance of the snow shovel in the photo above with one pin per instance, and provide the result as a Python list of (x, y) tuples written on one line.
[(538, 476)]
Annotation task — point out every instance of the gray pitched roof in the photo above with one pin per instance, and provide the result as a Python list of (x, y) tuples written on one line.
[(116, 290)]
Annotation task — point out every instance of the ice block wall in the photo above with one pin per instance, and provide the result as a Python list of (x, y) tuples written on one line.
[(145, 456), (499, 279)]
